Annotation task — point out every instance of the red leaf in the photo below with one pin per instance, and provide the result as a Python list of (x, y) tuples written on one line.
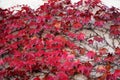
[(53, 1), (109, 58), (49, 77), (71, 34), (91, 54), (117, 50), (1, 62), (57, 24), (85, 68), (70, 11), (62, 76), (1, 52), (115, 30), (110, 77), (81, 36), (102, 51), (90, 41), (98, 38), (117, 73), (99, 23), (82, 51), (70, 57), (37, 78), (16, 78), (77, 25)]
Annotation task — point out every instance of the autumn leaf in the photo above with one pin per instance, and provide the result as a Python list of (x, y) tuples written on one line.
[(62, 76), (117, 50), (37, 78), (77, 25), (49, 77), (115, 30), (81, 36), (98, 38), (57, 24), (53, 1), (99, 23), (1, 62), (108, 67), (102, 51), (91, 54), (71, 34), (116, 73), (82, 51), (85, 68), (109, 58), (90, 41), (59, 40)]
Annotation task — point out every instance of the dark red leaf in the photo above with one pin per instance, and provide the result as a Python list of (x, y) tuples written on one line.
[(37, 78)]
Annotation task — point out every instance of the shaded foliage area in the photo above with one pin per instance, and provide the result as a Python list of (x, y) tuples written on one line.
[(51, 40)]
